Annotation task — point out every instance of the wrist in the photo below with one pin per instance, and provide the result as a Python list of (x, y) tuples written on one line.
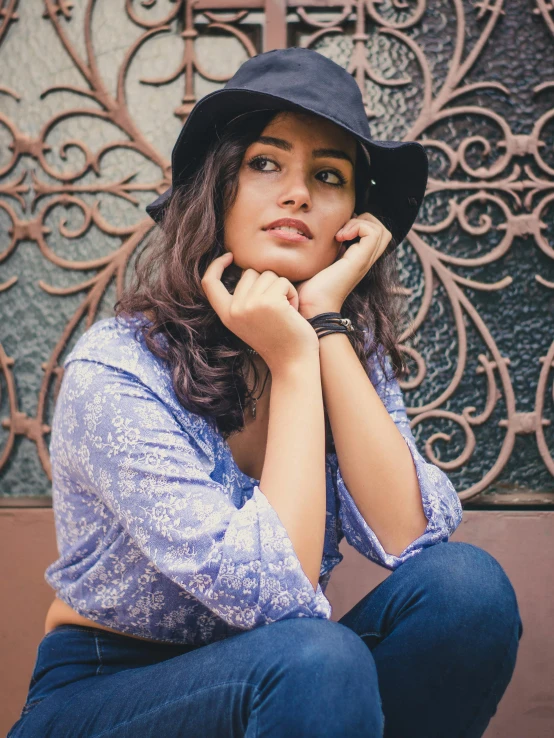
[(301, 366), (311, 312)]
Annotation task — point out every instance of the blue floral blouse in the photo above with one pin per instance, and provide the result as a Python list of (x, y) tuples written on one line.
[(160, 534)]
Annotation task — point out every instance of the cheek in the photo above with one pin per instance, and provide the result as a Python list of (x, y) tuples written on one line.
[(247, 203), (244, 220), (239, 220), (336, 210), (333, 221)]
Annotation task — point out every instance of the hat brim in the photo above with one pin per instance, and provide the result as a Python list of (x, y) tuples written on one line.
[(399, 168)]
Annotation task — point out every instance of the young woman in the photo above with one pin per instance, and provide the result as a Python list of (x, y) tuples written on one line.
[(214, 441)]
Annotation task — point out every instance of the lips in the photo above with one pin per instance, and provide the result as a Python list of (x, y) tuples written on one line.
[(291, 223)]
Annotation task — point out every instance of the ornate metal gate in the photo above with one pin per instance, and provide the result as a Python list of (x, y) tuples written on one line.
[(92, 96)]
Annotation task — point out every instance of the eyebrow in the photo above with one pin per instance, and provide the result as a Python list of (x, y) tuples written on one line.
[(280, 143)]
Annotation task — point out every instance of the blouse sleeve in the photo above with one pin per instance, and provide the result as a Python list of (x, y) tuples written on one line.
[(126, 446), (441, 503)]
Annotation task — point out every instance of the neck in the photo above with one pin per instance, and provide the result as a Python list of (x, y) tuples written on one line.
[(262, 368), (262, 395)]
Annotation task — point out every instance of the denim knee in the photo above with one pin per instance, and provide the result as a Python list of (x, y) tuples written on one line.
[(305, 645), (464, 576), (327, 666)]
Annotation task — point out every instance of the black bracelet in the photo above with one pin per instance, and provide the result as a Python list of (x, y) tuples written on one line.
[(326, 323)]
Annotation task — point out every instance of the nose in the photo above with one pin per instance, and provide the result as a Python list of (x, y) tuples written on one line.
[(296, 192)]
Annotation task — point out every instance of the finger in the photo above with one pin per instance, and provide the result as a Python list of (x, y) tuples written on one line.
[(246, 280), (363, 216), (286, 288), (348, 226), (381, 235), (386, 235), (340, 233), (214, 289), (358, 228), (263, 282), (373, 218)]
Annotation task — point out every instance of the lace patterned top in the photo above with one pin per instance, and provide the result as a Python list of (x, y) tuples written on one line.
[(160, 534)]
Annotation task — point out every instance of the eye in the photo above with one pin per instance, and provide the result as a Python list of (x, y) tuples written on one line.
[(337, 175), (258, 161)]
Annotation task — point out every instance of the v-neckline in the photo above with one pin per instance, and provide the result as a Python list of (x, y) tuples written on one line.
[(245, 477)]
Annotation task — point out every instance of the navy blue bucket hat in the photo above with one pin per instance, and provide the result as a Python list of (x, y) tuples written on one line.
[(304, 80)]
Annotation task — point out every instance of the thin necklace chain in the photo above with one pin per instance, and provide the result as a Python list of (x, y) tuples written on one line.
[(255, 399)]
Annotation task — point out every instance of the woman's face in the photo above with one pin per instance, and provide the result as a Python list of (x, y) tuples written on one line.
[(301, 167)]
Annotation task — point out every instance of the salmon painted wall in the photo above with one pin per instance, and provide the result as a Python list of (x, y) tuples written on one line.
[(521, 541)]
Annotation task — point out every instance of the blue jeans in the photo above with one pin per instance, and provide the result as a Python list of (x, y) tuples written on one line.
[(428, 653)]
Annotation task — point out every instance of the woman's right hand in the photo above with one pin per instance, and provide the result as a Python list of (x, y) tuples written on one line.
[(263, 312)]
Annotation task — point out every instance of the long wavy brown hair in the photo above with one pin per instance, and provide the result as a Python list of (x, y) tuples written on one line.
[(209, 362)]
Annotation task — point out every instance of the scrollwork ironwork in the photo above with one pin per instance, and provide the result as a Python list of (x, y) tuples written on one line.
[(480, 166)]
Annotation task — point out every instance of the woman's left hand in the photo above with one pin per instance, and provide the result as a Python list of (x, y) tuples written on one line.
[(327, 290)]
